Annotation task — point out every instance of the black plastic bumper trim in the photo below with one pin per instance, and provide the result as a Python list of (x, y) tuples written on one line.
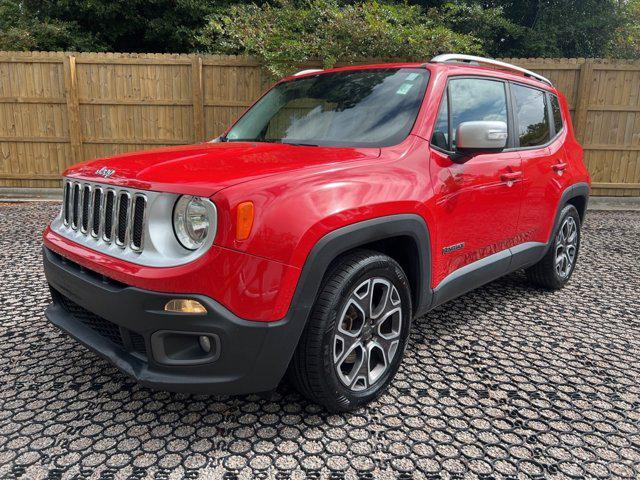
[(252, 357)]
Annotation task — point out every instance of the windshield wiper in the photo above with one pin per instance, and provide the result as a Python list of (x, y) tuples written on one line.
[(302, 144), (271, 140), (253, 140)]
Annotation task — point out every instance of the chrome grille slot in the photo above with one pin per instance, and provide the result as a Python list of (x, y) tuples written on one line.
[(97, 212), (122, 222), (75, 199), (86, 208), (109, 207), (138, 222)]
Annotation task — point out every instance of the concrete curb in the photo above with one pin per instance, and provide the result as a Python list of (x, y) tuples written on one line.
[(17, 195), (605, 204)]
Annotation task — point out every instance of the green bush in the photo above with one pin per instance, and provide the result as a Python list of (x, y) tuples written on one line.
[(292, 32), (287, 33), (19, 30), (626, 41)]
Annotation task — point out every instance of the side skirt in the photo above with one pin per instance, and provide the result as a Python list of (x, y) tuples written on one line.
[(486, 270)]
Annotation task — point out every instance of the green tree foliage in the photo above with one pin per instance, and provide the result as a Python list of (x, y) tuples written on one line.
[(97, 25), (289, 33), (500, 36), (541, 28), (560, 28), (626, 40), (281, 31), (21, 30)]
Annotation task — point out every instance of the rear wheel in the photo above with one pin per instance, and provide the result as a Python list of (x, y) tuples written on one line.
[(556, 267), (355, 338)]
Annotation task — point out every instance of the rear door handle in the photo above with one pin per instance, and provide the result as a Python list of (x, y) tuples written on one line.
[(559, 167)]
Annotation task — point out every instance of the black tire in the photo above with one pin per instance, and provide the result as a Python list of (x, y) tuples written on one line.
[(544, 274), (312, 370)]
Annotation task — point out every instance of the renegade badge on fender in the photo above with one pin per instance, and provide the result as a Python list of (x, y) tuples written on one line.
[(342, 205)]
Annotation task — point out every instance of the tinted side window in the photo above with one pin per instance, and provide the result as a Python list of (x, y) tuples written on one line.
[(555, 111), (474, 99), (440, 137), (532, 120)]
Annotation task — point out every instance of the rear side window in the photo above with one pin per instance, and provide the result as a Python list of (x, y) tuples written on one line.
[(531, 116), (555, 111), (468, 100)]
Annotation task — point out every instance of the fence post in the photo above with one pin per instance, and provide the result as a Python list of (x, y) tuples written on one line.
[(198, 99), (73, 107), (582, 99)]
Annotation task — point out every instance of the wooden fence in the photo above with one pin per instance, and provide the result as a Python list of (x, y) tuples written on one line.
[(57, 109)]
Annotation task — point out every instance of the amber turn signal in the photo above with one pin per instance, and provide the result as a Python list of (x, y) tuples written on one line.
[(245, 220), (184, 305)]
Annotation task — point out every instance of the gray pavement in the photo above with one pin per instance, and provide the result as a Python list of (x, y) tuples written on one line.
[(505, 382)]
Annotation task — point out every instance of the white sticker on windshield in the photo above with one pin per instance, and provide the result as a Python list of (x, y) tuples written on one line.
[(404, 88), (412, 76)]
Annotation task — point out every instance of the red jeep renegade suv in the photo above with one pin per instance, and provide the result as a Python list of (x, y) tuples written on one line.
[(340, 206)]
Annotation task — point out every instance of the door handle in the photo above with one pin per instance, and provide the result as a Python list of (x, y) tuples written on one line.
[(511, 177), (559, 167)]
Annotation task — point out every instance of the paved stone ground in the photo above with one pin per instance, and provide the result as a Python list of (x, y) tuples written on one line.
[(507, 381)]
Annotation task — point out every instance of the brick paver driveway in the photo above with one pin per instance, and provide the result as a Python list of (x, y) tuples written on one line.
[(507, 381)]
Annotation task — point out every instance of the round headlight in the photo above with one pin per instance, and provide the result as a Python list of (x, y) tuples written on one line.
[(191, 221)]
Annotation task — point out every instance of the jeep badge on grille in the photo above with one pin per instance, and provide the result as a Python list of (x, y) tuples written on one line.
[(105, 172)]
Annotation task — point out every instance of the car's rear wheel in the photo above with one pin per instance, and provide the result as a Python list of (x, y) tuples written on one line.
[(355, 338), (556, 267)]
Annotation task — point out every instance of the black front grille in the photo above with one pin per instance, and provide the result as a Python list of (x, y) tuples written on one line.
[(138, 222), (112, 332), (76, 205), (123, 218), (109, 330), (86, 202), (67, 206), (108, 215), (137, 343), (97, 204)]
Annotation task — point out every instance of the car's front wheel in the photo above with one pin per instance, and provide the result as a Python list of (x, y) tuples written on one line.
[(355, 338)]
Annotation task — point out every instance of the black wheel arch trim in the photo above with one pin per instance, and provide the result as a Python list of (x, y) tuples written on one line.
[(576, 190), (355, 235), (338, 242)]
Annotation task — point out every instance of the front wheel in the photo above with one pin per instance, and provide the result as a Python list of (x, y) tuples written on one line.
[(357, 332), (556, 267)]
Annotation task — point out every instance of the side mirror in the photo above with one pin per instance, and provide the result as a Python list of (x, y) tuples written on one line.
[(481, 136)]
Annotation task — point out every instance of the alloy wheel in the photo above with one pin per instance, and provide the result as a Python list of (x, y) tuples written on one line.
[(566, 247), (367, 334)]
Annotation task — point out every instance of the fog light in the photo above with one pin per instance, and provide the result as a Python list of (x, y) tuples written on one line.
[(205, 343), (183, 305)]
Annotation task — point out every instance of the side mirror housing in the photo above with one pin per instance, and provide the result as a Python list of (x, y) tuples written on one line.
[(481, 136)]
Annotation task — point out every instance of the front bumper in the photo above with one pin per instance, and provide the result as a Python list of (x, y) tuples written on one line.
[(119, 322)]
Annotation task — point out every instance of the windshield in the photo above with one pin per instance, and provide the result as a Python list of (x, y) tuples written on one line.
[(360, 108)]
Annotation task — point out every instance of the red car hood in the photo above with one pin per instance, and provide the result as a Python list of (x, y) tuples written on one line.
[(207, 168)]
